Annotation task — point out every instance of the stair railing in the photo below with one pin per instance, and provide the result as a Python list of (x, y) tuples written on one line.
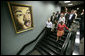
[(65, 43), (30, 42)]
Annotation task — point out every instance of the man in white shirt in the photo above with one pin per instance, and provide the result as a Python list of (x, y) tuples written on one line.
[(48, 27)]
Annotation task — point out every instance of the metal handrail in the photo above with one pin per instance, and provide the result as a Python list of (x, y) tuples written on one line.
[(77, 43), (30, 42), (65, 43)]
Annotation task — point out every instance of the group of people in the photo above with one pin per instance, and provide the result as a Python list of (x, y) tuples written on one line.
[(59, 21)]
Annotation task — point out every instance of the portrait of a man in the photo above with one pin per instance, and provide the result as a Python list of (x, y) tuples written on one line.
[(22, 17)]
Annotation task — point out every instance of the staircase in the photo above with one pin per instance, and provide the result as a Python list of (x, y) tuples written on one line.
[(49, 45)]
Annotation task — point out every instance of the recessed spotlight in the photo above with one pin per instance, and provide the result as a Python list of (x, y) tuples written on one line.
[(67, 1), (77, 8), (70, 4)]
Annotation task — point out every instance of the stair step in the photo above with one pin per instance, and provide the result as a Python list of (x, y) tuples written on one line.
[(56, 45), (63, 37), (52, 44), (50, 48), (41, 51), (62, 40), (34, 52), (46, 49), (54, 41)]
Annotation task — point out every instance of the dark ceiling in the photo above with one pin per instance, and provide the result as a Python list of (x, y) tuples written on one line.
[(71, 2)]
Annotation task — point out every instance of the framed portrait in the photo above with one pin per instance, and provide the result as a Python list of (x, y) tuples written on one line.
[(22, 16)]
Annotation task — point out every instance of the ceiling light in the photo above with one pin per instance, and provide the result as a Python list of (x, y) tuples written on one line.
[(67, 1), (70, 4), (77, 8)]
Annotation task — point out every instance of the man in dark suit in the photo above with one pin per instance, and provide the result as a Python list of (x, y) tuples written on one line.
[(82, 25), (66, 17), (71, 18), (57, 15), (53, 18)]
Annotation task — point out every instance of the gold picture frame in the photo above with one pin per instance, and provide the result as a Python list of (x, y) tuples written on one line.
[(22, 16)]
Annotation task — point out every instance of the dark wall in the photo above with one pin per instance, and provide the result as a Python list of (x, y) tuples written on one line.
[(11, 42)]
